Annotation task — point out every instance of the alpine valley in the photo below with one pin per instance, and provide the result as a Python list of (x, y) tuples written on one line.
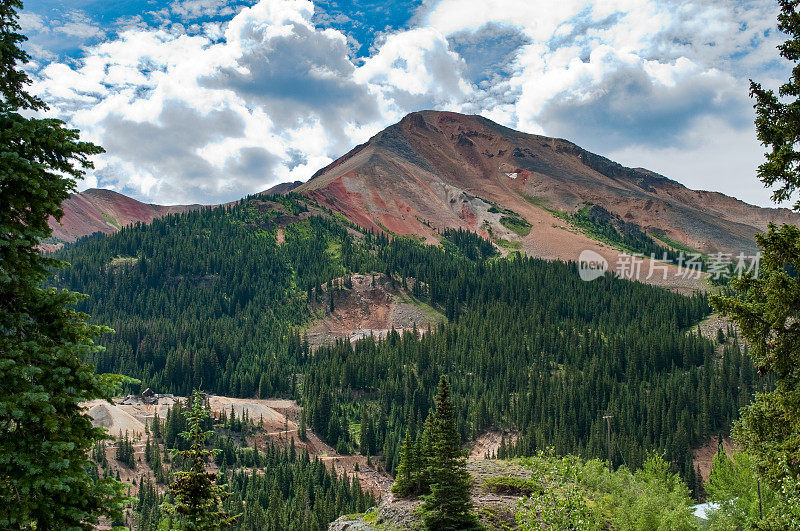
[(319, 317)]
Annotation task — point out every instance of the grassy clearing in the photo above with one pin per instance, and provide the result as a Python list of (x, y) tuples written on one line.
[(508, 244), (430, 312), (540, 202), (516, 224), (120, 261), (112, 221), (678, 246)]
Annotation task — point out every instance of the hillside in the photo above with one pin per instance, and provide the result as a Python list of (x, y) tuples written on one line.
[(346, 309), (549, 492), (441, 169), (435, 170), (99, 210), (229, 299)]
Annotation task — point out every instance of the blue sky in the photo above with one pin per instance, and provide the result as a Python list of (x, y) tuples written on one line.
[(87, 22), (208, 100)]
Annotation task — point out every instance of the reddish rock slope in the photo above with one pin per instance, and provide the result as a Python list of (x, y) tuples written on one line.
[(441, 169), (97, 210)]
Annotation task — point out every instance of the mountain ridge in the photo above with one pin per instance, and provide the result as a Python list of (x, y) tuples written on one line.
[(437, 169), (102, 210), (474, 155)]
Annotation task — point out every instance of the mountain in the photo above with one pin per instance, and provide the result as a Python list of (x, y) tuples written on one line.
[(441, 169), (98, 210), (545, 196)]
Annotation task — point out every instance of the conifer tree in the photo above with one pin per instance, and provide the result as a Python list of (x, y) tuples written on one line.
[(424, 452), (155, 427), (301, 430), (404, 483), (198, 499), (45, 436), (448, 506), (766, 305)]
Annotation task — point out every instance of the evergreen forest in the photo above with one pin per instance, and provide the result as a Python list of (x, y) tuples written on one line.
[(210, 299)]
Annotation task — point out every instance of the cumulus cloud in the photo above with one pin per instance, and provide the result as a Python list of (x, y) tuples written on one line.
[(298, 76), (220, 100), (629, 106), (415, 69)]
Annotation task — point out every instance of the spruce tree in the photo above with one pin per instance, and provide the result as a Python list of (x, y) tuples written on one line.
[(424, 452), (767, 305), (448, 506), (45, 435), (198, 499), (404, 483)]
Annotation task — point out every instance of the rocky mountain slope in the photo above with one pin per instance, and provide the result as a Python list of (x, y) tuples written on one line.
[(434, 170), (98, 210), (441, 169)]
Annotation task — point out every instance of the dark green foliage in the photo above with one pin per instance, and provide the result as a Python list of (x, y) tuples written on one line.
[(529, 346), (435, 466), (448, 506), (46, 481), (210, 297), (511, 486), (536, 349), (295, 493), (405, 481), (147, 506), (604, 226), (766, 311), (274, 489), (124, 453), (468, 243), (99, 454), (516, 223), (767, 307), (197, 497), (778, 115)]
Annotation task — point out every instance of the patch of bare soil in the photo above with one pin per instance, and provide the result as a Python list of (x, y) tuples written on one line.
[(278, 417), (489, 442), (119, 418), (374, 305), (704, 456)]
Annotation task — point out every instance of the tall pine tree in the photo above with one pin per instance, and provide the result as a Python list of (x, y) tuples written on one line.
[(405, 479), (767, 305), (448, 506), (198, 499), (45, 435)]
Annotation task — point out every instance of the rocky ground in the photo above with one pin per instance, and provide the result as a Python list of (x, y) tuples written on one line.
[(372, 306), (496, 511)]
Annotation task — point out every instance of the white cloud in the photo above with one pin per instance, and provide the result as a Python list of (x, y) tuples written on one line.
[(80, 26), (31, 22)]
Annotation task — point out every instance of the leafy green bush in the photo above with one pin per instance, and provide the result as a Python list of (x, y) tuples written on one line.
[(512, 486), (580, 494), (733, 487)]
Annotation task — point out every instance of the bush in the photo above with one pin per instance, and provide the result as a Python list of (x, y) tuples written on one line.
[(580, 494), (511, 486)]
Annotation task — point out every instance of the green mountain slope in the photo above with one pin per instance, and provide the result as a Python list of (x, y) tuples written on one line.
[(216, 299)]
